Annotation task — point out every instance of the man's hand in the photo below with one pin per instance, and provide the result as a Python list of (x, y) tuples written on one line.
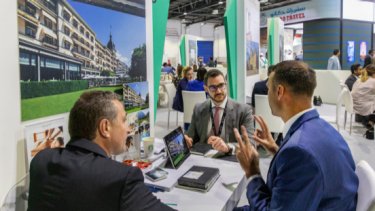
[(264, 136), (246, 153), (189, 141), (218, 144)]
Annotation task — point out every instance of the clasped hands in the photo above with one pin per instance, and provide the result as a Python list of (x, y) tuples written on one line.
[(246, 153), (216, 142)]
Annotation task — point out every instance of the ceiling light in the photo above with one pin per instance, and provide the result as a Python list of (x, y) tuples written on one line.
[(215, 12), (221, 2), (185, 13)]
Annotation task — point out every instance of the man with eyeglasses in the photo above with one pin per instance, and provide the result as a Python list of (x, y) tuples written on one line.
[(213, 121)]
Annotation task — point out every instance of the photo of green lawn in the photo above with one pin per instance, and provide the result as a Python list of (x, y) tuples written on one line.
[(54, 104)]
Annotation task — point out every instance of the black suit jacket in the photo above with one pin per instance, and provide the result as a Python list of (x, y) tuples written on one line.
[(82, 177), (260, 88), (367, 60), (350, 81)]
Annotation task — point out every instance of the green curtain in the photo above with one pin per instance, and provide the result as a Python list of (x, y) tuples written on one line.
[(230, 24), (159, 25), (183, 51)]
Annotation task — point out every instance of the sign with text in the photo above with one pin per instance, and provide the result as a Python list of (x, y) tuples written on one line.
[(304, 11)]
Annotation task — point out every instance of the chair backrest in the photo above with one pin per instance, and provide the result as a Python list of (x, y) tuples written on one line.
[(190, 100), (366, 188), (348, 100), (339, 103), (262, 108), (171, 91)]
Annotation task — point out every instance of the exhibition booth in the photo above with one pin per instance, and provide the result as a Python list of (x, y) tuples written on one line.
[(56, 50)]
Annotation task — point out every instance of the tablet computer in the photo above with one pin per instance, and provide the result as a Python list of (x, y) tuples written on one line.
[(177, 148)]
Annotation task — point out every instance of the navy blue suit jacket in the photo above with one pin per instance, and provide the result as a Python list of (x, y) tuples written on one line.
[(260, 88), (313, 170), (178, 103)]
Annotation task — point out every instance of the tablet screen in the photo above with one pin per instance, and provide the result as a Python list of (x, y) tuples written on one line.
[(177, 147)]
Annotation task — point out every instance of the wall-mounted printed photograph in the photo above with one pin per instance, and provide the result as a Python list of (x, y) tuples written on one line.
[(43, 135), (192, 52), (67, 47), (350, 51), (252, 42)]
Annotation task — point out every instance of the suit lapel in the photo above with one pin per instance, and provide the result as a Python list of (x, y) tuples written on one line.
[(302, 119), (229, 124), (206, 118)]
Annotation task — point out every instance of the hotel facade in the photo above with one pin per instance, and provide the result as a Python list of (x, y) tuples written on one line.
[(57, 44)]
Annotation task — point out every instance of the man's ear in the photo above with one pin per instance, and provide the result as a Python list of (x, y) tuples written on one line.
[(104, 128), (206, 88), (280, 91)]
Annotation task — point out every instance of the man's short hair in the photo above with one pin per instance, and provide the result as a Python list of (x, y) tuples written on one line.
[(88, 111), (354, 67), (271, 68), (212, 74), (297, 76), (201, 73), (370, 51), (336, 51)]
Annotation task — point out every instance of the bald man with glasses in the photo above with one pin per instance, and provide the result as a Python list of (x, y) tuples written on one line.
[(213, 121)]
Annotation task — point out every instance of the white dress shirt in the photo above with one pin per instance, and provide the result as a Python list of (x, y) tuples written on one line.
[(294, 118)]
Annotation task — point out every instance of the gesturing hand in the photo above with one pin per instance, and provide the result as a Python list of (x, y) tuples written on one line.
[(264, 136), (189, 141), (246, 153)]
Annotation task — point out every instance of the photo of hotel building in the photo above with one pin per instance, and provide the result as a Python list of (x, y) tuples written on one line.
[(56, 43), (131, 97)]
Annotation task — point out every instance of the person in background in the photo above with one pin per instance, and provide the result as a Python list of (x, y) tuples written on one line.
[(213, 121), (313, 169), (368, 58), (83, 176), (176, 79), (334, 61), (215, 63), (363, 93), (167, 69), (260, 87), (195, 67), (197, 84), (356, 72), (178, 103), (211, 63), (263, 61)]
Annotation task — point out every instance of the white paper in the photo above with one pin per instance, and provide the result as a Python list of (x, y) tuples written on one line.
[(193, 175)]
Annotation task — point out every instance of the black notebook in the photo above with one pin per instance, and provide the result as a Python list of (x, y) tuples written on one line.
[(199, 178)]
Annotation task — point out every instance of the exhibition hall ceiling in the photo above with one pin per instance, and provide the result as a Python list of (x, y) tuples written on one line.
[(212, 11)]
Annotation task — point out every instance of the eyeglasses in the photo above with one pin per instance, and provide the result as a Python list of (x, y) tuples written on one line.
[(214, 88)]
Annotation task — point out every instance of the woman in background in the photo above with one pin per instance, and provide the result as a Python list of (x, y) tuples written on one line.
[(363, 93), (178, 103)]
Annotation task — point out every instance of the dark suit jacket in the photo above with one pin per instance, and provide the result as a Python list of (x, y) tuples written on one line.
[(260, 88), (82, 177), (367, 60), (236, 115), (178, 103), (350, 81), (313, 170)]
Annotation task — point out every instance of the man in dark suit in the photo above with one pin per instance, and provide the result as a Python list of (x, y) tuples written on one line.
[(313, 169), (368, 58), (356, 72), (82, 176), (260, 87), (213, 120)]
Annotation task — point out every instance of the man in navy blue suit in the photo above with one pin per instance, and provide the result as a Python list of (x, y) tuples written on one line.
[(313, 168)]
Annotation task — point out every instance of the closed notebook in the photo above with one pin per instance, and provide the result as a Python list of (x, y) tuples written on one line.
[(199, 178), (200, 149)]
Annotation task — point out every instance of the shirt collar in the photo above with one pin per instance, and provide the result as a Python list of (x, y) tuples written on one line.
[(222, 105), (290, 122)]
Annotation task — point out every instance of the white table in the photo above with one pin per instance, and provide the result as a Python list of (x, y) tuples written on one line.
[(218, 198)]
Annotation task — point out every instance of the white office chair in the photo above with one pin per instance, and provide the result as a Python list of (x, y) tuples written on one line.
[(190, 100), (262, 108), (345, 98), (366, 188), (171, 92)]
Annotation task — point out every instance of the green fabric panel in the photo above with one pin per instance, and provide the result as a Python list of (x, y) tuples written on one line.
[(230, 24), (159, 25), (271, 34), (183, 51)]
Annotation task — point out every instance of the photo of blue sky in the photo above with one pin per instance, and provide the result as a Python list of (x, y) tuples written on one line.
[(140, 87), (128, 31)]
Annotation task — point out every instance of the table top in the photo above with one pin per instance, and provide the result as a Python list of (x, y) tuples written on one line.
[(219, 196)]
